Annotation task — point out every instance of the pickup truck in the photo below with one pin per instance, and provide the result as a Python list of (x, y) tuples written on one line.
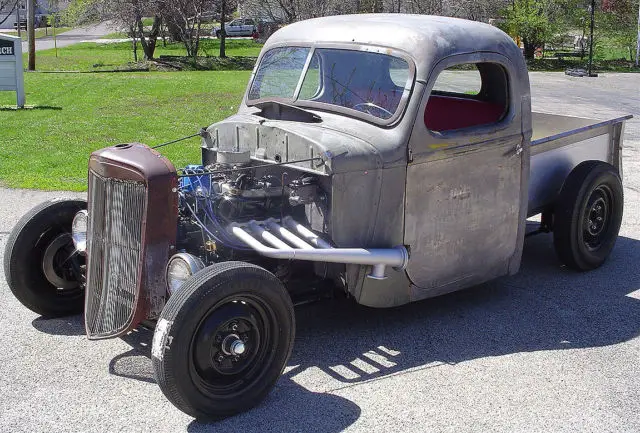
[(237, 27), (388, 166)]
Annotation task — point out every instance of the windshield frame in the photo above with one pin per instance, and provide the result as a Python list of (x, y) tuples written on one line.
[(332, 108)]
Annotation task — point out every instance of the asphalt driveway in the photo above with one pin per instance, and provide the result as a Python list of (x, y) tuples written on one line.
[(547, 350), (86, 33)]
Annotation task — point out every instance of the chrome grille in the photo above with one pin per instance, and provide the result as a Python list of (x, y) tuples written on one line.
[(114, 234)]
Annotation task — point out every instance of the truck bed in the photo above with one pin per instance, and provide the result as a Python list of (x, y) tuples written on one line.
[(559, 143)]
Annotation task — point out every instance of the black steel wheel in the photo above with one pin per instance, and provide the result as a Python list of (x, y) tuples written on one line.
[(223, 340), (588, 215), (41, 265)]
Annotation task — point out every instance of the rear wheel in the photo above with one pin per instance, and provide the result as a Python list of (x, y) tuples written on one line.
[(223, 340), (41, 265), (588, 215)]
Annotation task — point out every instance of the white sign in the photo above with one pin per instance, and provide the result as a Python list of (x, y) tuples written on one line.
[(11, 75)]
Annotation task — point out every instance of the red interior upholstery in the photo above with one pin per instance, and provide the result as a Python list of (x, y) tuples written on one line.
[(444, 113)]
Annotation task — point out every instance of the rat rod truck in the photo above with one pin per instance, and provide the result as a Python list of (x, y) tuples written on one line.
[(394, 157)]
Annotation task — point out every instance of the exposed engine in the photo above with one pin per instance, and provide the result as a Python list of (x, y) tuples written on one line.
[(234, 191)]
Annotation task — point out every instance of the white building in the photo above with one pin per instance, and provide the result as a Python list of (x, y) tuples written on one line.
[(9, 14)]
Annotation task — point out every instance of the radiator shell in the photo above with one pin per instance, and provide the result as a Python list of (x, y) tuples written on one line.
[(126, 169)]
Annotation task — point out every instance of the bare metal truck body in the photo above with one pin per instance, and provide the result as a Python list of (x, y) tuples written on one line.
[(361, 158)]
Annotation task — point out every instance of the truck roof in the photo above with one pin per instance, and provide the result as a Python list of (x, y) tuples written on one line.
[(426, 39)]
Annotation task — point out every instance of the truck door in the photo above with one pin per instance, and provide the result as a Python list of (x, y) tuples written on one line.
[(235, 28), (466, 177), (249, 27)]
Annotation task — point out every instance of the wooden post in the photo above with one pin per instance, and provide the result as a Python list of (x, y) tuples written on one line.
[(18, 18), (31, 34), (55, 41)]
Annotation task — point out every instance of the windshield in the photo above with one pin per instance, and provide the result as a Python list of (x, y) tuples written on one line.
[(364, 81)]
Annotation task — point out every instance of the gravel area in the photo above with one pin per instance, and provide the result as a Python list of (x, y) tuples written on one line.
[(547, 350)]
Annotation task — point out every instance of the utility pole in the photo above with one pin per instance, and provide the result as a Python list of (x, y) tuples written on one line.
[(593, 11), (18, 18), (55, 42), (31, 34)]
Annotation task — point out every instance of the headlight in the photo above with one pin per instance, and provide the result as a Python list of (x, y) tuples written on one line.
[(79, 230), (180, 268)]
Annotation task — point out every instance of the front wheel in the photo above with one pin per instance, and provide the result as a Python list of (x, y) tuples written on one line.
[(588, 215), (41, 265), (223, 340)]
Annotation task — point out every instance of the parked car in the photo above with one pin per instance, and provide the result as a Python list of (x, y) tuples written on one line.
[(237, 27), (349, 166)]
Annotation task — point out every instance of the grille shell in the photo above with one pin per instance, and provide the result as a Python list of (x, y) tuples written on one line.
[(131, 234), (117, 209)]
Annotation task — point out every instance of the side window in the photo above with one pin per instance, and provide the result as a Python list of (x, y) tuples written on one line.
[(468, 96), (249, 22)]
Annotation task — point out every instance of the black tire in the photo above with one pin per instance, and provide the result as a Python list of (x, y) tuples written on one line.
[(46, 225), (588, 215), (191, 357), (218, 34)]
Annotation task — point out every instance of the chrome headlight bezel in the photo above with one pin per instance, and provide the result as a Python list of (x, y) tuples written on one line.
[(79, 227), (180, 268)]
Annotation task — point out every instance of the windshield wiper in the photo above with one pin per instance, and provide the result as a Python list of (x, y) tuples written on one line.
[(276, 110)]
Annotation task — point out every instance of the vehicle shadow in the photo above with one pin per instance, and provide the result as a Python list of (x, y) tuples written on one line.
[(290, 406), (69, 326), (544, 307)]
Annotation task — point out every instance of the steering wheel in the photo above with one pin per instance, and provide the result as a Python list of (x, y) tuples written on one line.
[(368, 105)]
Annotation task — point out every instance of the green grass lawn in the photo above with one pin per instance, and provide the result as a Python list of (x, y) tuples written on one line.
[(47, 147), (40, 33), (92, 56)]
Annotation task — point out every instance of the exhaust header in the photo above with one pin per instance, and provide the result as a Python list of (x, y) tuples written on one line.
[(283, 243)]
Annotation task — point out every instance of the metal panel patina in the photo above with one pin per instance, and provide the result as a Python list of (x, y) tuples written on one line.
[(131, 234)]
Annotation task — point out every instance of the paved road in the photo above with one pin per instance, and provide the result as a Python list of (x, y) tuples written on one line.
[(548, 350), (81, 34)]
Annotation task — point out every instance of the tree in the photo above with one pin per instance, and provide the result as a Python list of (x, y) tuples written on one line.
[(477, 10), (223, 32), (618, 22), (129, 14), (529, 19), (184, 20)]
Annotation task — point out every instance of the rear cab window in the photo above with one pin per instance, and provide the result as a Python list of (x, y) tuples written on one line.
[(468, 96)]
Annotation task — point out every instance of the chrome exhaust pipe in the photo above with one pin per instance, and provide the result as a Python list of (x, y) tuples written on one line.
[(397, 257), (305, 232)]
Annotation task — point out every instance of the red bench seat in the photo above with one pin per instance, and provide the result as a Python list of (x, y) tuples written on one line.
[(445, 113)]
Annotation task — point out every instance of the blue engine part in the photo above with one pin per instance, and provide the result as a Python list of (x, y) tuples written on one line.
[(194, 183)]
